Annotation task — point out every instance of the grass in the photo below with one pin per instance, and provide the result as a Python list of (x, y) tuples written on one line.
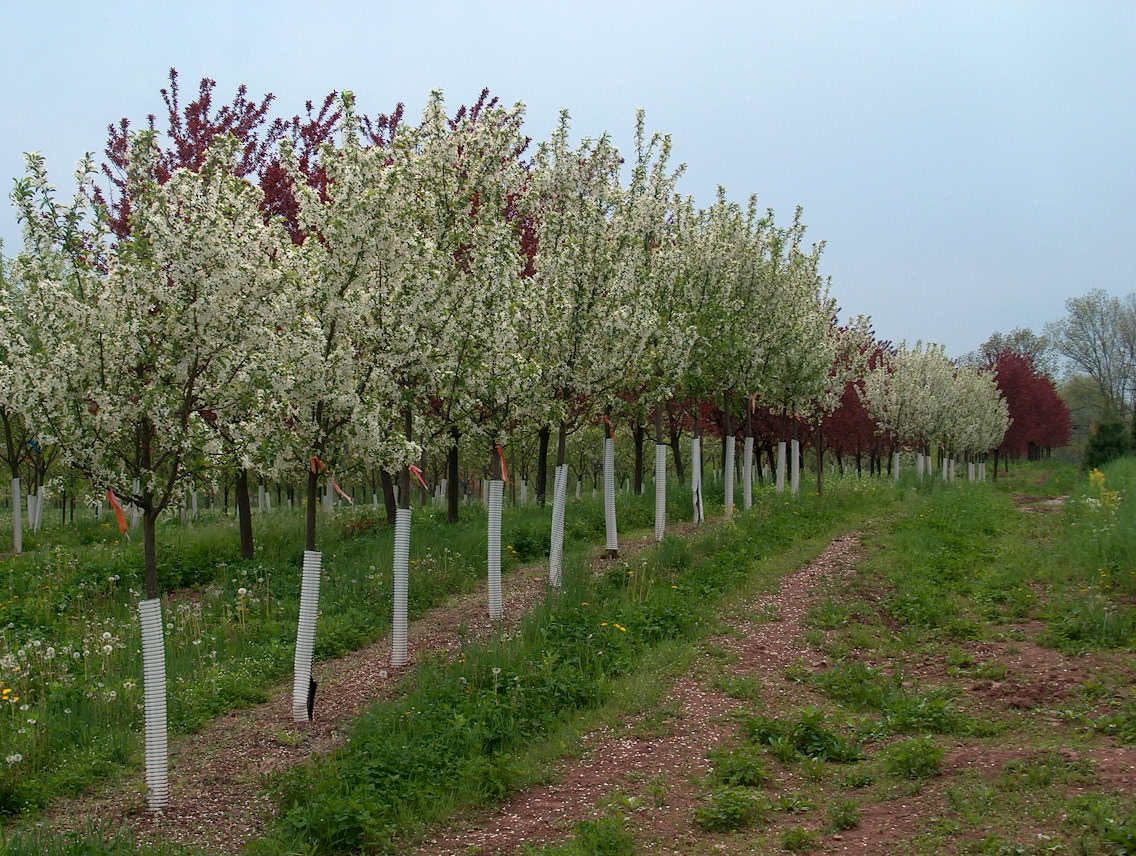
[(874, 715), (70, 674), (455, 738)]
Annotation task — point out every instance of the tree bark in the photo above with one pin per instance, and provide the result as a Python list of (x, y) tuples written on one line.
[(676, 448), (386, 481), (820, 459), (310, 511), (543, 437), (638, 434), (244, 514), (453, 485), (150, 548)]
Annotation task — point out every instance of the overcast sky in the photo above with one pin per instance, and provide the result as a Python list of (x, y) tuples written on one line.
[(969, 164)]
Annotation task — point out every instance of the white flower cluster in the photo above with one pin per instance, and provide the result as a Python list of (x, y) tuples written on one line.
[(923, 400)]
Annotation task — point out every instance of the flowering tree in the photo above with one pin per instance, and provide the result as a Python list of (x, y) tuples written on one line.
[(351, 339), (125, 354), (979, 415), (798, 371), (188, 134), (910, 394)]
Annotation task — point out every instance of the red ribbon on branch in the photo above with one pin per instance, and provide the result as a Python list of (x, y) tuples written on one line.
[(318, 466), (418, 475), (118, 512), (610, 427), (339, 490), (504, 469)]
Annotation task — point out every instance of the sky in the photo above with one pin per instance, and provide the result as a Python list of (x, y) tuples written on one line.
[(969, 164)]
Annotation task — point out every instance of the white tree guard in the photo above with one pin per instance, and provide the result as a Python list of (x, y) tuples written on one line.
[(795, 466), (747, 474), (696, 479), (660, 492), (982, 471), (781, 466), (496, 501), (556, 547), (17, 519), (524, 492), (728, 479), (306, 634), (193, 502), (895, 466), (154, 697), (485, 493), (399, 620), (609, 494), (971, 472), (328, 497)]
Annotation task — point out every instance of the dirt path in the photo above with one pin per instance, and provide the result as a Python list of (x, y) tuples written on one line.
[(660, 771), (217, 795)]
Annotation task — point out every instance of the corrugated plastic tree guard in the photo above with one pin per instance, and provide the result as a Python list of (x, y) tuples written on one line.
[(154, 697), (781, 466), (609, 495), (556, 548), (795, 466), (306, 634), (17, 519), (728, 478), (895, 466), (496, 501), (401, 573), (747, 474), (660, 491), (696, 479)]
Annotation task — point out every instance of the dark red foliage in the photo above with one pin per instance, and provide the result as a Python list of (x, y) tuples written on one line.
[(190, 130), (188, 133), (850, 429), (1039, 418)]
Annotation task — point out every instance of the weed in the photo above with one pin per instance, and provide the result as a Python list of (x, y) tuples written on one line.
[(607, 836), (797, 839), (858, 779), (843, 814), (741, 767), (914, 759), (658, 791), (729, 809), (807, 735), (829, 614), (793, 803), (1044, 769), (741, 687), (903, 709)]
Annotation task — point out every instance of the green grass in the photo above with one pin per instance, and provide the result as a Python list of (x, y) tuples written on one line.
[(70, 674), (948, 571)]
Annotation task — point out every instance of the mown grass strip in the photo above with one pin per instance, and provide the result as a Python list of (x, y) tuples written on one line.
[(456, 738)]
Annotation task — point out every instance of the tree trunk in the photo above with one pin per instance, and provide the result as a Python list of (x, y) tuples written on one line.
[(150, 546), (404, 474), (244, 514), (310, 511), (820, 460), (543, 436), (453, 489), (386, 481), (676, 448), (639, 434)]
